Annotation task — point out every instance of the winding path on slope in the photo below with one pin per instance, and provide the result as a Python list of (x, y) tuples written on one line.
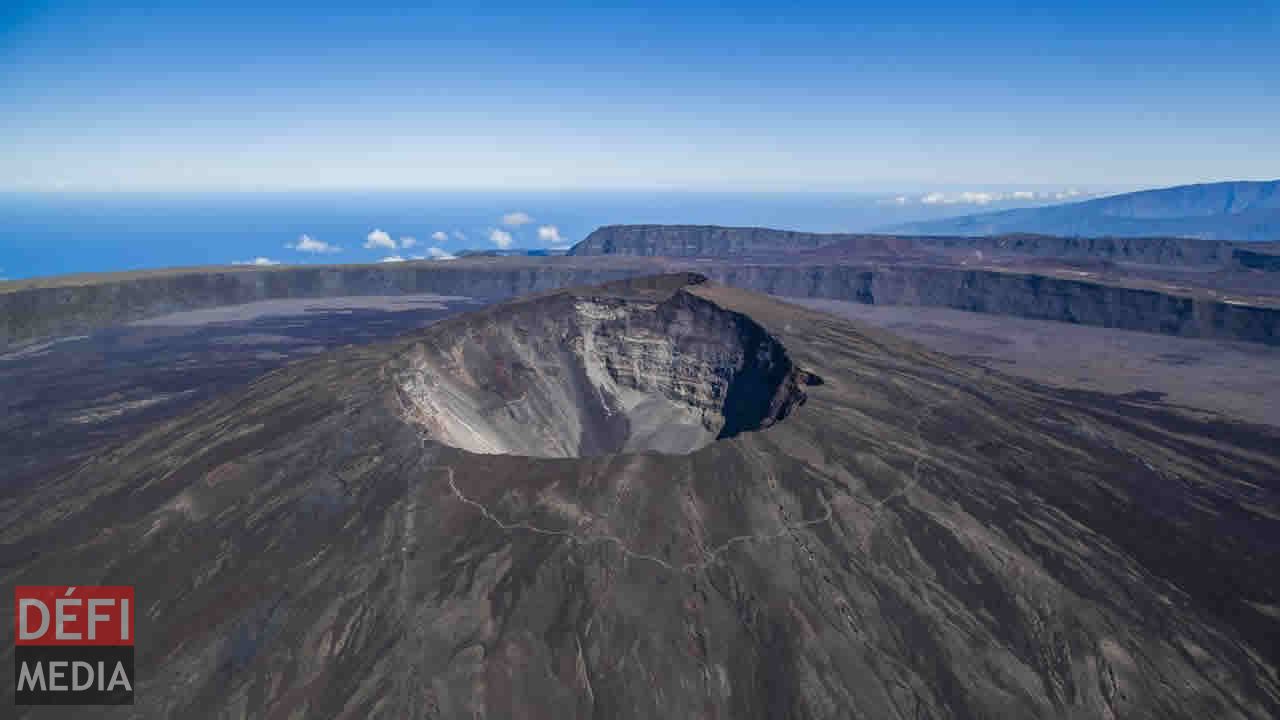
[(712, 556)]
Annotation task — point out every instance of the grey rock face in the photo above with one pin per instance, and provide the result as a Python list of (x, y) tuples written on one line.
[(571, 375), (67, 307), (715, 241), (74, 307), (695, 241), (1019, 294)]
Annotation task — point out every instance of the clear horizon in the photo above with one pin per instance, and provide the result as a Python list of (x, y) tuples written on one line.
[(54, 233)]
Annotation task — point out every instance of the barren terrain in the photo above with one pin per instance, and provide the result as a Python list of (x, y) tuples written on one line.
[(1239, 381), (918, 538)]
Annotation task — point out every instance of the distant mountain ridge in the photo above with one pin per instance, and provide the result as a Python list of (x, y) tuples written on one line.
[(697, 241), (707, 241), (1239, 210)]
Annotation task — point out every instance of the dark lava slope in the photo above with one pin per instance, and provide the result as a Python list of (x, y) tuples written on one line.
[(881, 532)]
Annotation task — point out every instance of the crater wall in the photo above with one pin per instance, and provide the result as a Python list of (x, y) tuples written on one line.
[(569, 375)]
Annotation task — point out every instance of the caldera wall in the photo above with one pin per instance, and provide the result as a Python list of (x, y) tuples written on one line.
[(69, 308), (1022, 295), (64, 308), (716, 241)]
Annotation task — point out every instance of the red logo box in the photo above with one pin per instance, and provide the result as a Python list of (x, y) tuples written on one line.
[(73, 615)]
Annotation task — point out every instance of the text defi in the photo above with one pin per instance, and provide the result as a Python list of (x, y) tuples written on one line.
[(75, 619)]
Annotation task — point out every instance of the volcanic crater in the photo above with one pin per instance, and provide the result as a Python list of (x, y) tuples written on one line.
[(628, 367)]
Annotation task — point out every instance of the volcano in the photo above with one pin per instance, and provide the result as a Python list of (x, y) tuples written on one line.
[(667, 498)]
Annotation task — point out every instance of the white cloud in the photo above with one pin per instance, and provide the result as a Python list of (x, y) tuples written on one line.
[(516, 219), (392, 258), (408, 241), (439, 254), (550, 234), (308, 244), (970, 197), (501, 238), (439, 236), (459, 235), (964, 198), (899, 200), (257, 261), (379, 239)]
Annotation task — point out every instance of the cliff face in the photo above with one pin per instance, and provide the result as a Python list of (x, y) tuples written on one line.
[(714, 241), (1022, 295), (39, 312), (1164, 251), (695, 241)]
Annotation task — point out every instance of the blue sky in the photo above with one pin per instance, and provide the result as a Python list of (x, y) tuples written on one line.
[(743, 96)]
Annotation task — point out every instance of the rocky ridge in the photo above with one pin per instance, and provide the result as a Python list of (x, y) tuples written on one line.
[(34, 310)]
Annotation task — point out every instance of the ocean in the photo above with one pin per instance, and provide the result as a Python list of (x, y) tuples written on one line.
[(52, 234)]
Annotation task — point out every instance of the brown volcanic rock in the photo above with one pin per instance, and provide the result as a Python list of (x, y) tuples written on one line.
[(919, 538)]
